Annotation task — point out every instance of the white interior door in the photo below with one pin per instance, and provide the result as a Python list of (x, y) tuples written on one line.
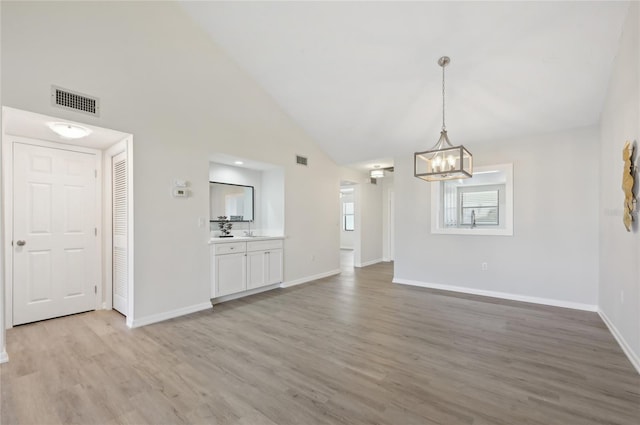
[(120, 232), (55, 259)]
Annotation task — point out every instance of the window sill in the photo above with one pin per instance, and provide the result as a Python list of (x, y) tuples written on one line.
[(474, 232)]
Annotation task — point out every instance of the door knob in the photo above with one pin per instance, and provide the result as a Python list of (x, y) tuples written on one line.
[(21, 243)]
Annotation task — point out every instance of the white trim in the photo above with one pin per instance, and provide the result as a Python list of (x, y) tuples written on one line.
[(369, 263), (633, 357), (130, 229), (160, 317), (242, 294), (306, 279), (4, 357), (502, 295)]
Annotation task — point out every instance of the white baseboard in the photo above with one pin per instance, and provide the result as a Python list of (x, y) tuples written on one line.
[(369, 263), (503, 295), (4, 357), (155, 318), (306, 279), (244, 293), (633, 357)]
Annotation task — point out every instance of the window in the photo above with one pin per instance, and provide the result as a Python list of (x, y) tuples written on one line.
[(348, 217), (481, 205)]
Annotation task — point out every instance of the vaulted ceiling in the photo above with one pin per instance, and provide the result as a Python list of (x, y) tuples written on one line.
[(362, 78)]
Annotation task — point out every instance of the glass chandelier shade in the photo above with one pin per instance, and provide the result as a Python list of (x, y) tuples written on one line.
[(443, 161)]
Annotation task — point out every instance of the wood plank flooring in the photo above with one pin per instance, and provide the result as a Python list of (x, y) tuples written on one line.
[(351, 349)]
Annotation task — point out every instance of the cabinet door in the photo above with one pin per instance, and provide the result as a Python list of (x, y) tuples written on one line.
[(230, 274), (274, 266), (256, 269)]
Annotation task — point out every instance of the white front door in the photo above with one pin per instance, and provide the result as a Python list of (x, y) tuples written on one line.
[(55, 261)]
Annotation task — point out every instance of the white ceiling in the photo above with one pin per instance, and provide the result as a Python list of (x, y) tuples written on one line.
[(362, 78)]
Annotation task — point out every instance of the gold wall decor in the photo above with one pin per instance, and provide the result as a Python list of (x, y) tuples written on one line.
[(628, 181)]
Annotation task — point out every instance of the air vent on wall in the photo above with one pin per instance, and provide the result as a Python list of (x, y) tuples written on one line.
[(68, 99), (301, 160)]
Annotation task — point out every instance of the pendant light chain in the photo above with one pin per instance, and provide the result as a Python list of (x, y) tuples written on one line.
[(444, 127)]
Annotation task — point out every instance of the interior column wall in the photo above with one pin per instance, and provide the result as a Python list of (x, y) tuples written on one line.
[(619, 279)]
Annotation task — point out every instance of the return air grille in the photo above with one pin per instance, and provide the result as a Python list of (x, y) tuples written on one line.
[(74, 101), (301, 160)]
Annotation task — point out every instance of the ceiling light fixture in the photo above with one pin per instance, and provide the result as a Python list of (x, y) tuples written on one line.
[(443, 161), (69, 131), (377, 173), (238, 162)]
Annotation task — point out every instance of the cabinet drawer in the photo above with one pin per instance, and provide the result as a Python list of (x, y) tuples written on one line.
[(230, 248), (264, 245)]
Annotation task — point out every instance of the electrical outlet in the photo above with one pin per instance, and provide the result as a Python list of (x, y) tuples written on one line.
[(484, 267)]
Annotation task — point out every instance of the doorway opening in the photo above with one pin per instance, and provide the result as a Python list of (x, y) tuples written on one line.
[(348, 231), (68, 235)]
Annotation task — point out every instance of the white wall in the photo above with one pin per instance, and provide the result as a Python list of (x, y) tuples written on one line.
[(619, 300), (159, 77), (552, 256), (369, 222), (387, 217), (3, 352), (272, 205)]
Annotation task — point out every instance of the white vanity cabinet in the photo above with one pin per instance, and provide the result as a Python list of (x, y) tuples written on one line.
[(243, 267), (264, 263), (230, 268)]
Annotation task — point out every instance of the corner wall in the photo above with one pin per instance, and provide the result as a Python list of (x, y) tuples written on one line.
[(552, 257), (619, 289)]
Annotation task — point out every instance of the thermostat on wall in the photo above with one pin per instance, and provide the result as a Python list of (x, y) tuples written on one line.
[(180, 192)]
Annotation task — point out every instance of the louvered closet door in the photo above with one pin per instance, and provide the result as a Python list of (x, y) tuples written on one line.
[(120, 264)]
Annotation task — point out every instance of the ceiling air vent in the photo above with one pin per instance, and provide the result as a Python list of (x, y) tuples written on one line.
[(301, 160), (67, 99)]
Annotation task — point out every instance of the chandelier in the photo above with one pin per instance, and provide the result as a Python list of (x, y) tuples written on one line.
[(443, 161)]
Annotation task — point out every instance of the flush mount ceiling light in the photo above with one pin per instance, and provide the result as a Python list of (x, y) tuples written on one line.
[(68, 130), (377, 173), (443, 161)]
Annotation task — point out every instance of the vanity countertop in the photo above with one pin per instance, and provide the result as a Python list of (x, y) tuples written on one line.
[(243, 239)]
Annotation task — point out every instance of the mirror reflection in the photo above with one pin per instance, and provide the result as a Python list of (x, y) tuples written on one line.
[(231, 200)]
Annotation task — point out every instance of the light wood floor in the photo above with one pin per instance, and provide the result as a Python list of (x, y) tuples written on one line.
[(353, 349)]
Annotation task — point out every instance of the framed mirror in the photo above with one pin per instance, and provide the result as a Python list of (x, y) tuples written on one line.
[(234, 201)]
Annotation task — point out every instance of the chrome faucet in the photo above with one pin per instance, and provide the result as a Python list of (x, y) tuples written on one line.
[(248, 232)]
